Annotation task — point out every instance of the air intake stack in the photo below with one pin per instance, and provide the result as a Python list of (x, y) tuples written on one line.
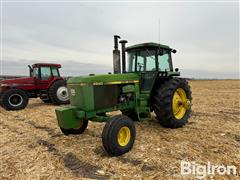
[(123, 42), (116, 56)]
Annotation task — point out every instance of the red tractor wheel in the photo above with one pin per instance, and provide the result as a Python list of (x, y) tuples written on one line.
[(14, 99), (58, 93)]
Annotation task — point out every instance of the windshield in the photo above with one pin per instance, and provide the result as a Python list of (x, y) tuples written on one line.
[(141, 60)]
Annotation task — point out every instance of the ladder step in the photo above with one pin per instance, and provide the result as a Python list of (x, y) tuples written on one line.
[(144, 113)]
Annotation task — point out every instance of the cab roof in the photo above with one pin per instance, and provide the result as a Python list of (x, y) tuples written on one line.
[(46, 65), (147, 45)]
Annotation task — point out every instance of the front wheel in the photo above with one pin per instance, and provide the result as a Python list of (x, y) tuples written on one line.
[(78, 130), (118, 135), (172, 103), (14, 99)]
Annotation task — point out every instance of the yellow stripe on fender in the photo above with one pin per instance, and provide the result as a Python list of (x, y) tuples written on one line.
[(105, 83)]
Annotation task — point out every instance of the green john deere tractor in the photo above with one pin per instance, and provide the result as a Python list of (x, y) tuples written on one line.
[(146, 83)]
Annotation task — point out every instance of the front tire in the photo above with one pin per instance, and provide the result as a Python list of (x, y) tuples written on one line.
[(58, 93), (172, 103), (79, 130), (118, 135), (14, 99)]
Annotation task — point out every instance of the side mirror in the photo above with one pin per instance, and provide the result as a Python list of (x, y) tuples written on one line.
[(176, 69), (174, 51)]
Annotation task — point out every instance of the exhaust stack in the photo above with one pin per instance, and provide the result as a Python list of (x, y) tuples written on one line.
[(123, 42), (116, 56)]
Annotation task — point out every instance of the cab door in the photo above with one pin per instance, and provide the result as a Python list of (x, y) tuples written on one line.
[(45, 77), (146, 64)]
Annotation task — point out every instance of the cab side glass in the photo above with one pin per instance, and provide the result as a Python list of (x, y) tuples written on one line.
[(131, 61), (164, 61), (45, 73), (140, 61), (55, 72)]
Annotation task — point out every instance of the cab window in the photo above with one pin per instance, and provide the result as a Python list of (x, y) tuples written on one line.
[(164, 61), (140, 61), (45, 73), (55, 72), (150, 60), (131, 61), (146, 60), (35, 72)]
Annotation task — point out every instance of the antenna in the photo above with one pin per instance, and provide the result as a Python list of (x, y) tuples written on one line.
[(159, 30)]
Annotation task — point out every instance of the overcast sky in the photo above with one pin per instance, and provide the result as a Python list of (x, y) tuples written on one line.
[(80, 35)]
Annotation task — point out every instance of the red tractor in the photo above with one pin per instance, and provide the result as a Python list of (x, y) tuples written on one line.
[(44, 82)]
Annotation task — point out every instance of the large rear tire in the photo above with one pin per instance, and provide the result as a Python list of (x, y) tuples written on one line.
[(172, 103), (118, 135), (58, 93), (14, 99)]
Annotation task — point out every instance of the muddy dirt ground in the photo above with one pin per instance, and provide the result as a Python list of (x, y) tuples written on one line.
[(32, 146)]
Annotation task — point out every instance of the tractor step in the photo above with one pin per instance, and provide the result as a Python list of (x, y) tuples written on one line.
[(44, 95), (144, 114)]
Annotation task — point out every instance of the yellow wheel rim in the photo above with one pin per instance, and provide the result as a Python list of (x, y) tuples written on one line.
[(180, 103), (124, 135)]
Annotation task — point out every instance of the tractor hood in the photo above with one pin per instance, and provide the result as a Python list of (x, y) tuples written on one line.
[(90, 93), (18, 81), (104, 79)]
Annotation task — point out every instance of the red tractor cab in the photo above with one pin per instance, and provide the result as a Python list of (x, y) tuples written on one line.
[(44, 82)]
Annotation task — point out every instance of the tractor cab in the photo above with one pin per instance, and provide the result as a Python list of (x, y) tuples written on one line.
[(151, 60), (44, 71), (149, 57)]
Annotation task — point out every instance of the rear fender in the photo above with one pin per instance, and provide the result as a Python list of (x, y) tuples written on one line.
[(6, 88), (54, 80), (161, 77)]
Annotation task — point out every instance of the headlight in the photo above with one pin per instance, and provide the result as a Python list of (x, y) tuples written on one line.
[(73, 92)]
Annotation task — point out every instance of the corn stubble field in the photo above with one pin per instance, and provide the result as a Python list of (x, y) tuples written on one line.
[(32, 146)]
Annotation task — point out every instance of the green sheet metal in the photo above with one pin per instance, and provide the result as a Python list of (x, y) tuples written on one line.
[(104, 79), (68, 117)]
